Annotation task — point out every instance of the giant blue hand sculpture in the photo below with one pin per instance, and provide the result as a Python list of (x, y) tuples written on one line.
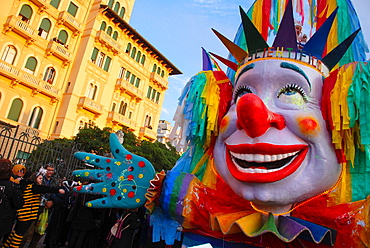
[(124, 178)]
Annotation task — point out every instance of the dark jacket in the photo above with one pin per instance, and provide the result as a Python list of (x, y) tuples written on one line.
[(9, 205)]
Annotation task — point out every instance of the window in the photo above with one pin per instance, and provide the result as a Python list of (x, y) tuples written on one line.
[(15, 109), (157, 97), (35, 117), (110, 4), (142, 59), (122, 108), (115, 35), (44, 28), (137, 83), (162, 73), (158, 70), (149, 92), (9, 54), (109, 30), (116, 7), (138, 56), (63, 37), (55, 3), (147, 122), (31, 64), (130, 115), (72, 9), (122, 12), (107, 63), (153, 95), (100, 59), (128, 48), (94, 54), (49, 75), (113, 106), (25, 13), (128, 74), (133, 52), (133, 77), (121, 72), (154, 67), (91, 91), (103, 26)]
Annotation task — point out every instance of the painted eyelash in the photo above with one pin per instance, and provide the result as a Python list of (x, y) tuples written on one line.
[(296, 87), (239, 89)]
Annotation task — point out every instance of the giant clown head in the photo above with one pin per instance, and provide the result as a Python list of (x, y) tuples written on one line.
[(274, 148)]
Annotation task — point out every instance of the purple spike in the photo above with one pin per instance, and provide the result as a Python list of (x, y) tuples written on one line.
[(207, 65), (286, 35)]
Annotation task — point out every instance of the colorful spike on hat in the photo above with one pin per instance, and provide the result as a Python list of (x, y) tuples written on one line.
[(286, 43)]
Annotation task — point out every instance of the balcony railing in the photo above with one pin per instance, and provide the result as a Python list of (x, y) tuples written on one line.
[(120, 119), (155, 78), (148, 133), (18, 26), (90, 105), (108, 41), (59, 51), (69, 21), (126, 87), (19, 76)]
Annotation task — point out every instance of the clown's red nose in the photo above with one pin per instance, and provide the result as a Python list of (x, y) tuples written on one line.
[(255, 118)]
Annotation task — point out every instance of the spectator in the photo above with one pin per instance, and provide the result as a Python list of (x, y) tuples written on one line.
[(31, 190), (10, 198), (18, 172)]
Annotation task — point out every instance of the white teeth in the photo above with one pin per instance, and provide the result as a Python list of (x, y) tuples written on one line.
[(260, 158)]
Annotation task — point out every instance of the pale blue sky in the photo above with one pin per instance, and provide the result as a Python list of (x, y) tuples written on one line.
[(179, 28)]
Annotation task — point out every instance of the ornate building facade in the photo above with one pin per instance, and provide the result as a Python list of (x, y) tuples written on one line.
[(68, 63)]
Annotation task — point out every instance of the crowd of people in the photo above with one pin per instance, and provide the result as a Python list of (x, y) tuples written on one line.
[(31, 202)]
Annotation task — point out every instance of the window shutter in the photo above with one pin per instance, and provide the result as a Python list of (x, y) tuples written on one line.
[(72, 9), (107, 63), (94, 54)]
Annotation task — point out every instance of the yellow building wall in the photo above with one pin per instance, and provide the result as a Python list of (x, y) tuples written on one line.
[(69, 101)]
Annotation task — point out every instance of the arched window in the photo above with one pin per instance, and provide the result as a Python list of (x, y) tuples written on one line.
[(113, 106), (154, 67), (158, 70), (110, 4), (9, 54), (26, 13), (116, 7), (122, 12), (63, 37), (31, 64), (49, 75), (147, 122), (91, 91), (138, 56), (115, 35), (133, 52), (15, 109), (162, 73), (103, 25), (122, 108), (142, 59), (128, 48), (44, 28), (36, 117), (109, 30)]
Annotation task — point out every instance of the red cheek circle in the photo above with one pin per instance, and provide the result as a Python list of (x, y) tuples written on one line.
[(224, 124), (308, 125)]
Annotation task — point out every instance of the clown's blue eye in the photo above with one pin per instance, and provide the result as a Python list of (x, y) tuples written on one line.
[(292, 93), (241, 91)]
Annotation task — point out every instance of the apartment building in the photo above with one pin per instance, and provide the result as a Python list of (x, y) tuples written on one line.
[(68, 63)]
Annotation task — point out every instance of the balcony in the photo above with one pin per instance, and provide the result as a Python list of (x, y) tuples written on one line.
[(18, 26), (126, 87), (108, 41), (37, 85), (40, 3), (69, 21), (148, 133), (90, 105), (156, 79), (59, 51), (122, 120)]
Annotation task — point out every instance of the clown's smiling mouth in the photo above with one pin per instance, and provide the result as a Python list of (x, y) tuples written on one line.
[(262, 162), (254, 163)]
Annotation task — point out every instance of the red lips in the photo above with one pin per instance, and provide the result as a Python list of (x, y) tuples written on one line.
[(265, 149)]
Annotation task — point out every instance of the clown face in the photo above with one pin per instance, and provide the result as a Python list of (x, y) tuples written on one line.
[(273, 148)]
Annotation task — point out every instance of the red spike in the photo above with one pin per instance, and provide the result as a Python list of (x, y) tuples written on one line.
[(226, 62)]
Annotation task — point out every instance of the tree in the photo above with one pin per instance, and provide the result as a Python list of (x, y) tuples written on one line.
[(94, 140)]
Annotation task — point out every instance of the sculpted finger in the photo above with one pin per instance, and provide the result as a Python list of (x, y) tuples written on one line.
[(98, 175)]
